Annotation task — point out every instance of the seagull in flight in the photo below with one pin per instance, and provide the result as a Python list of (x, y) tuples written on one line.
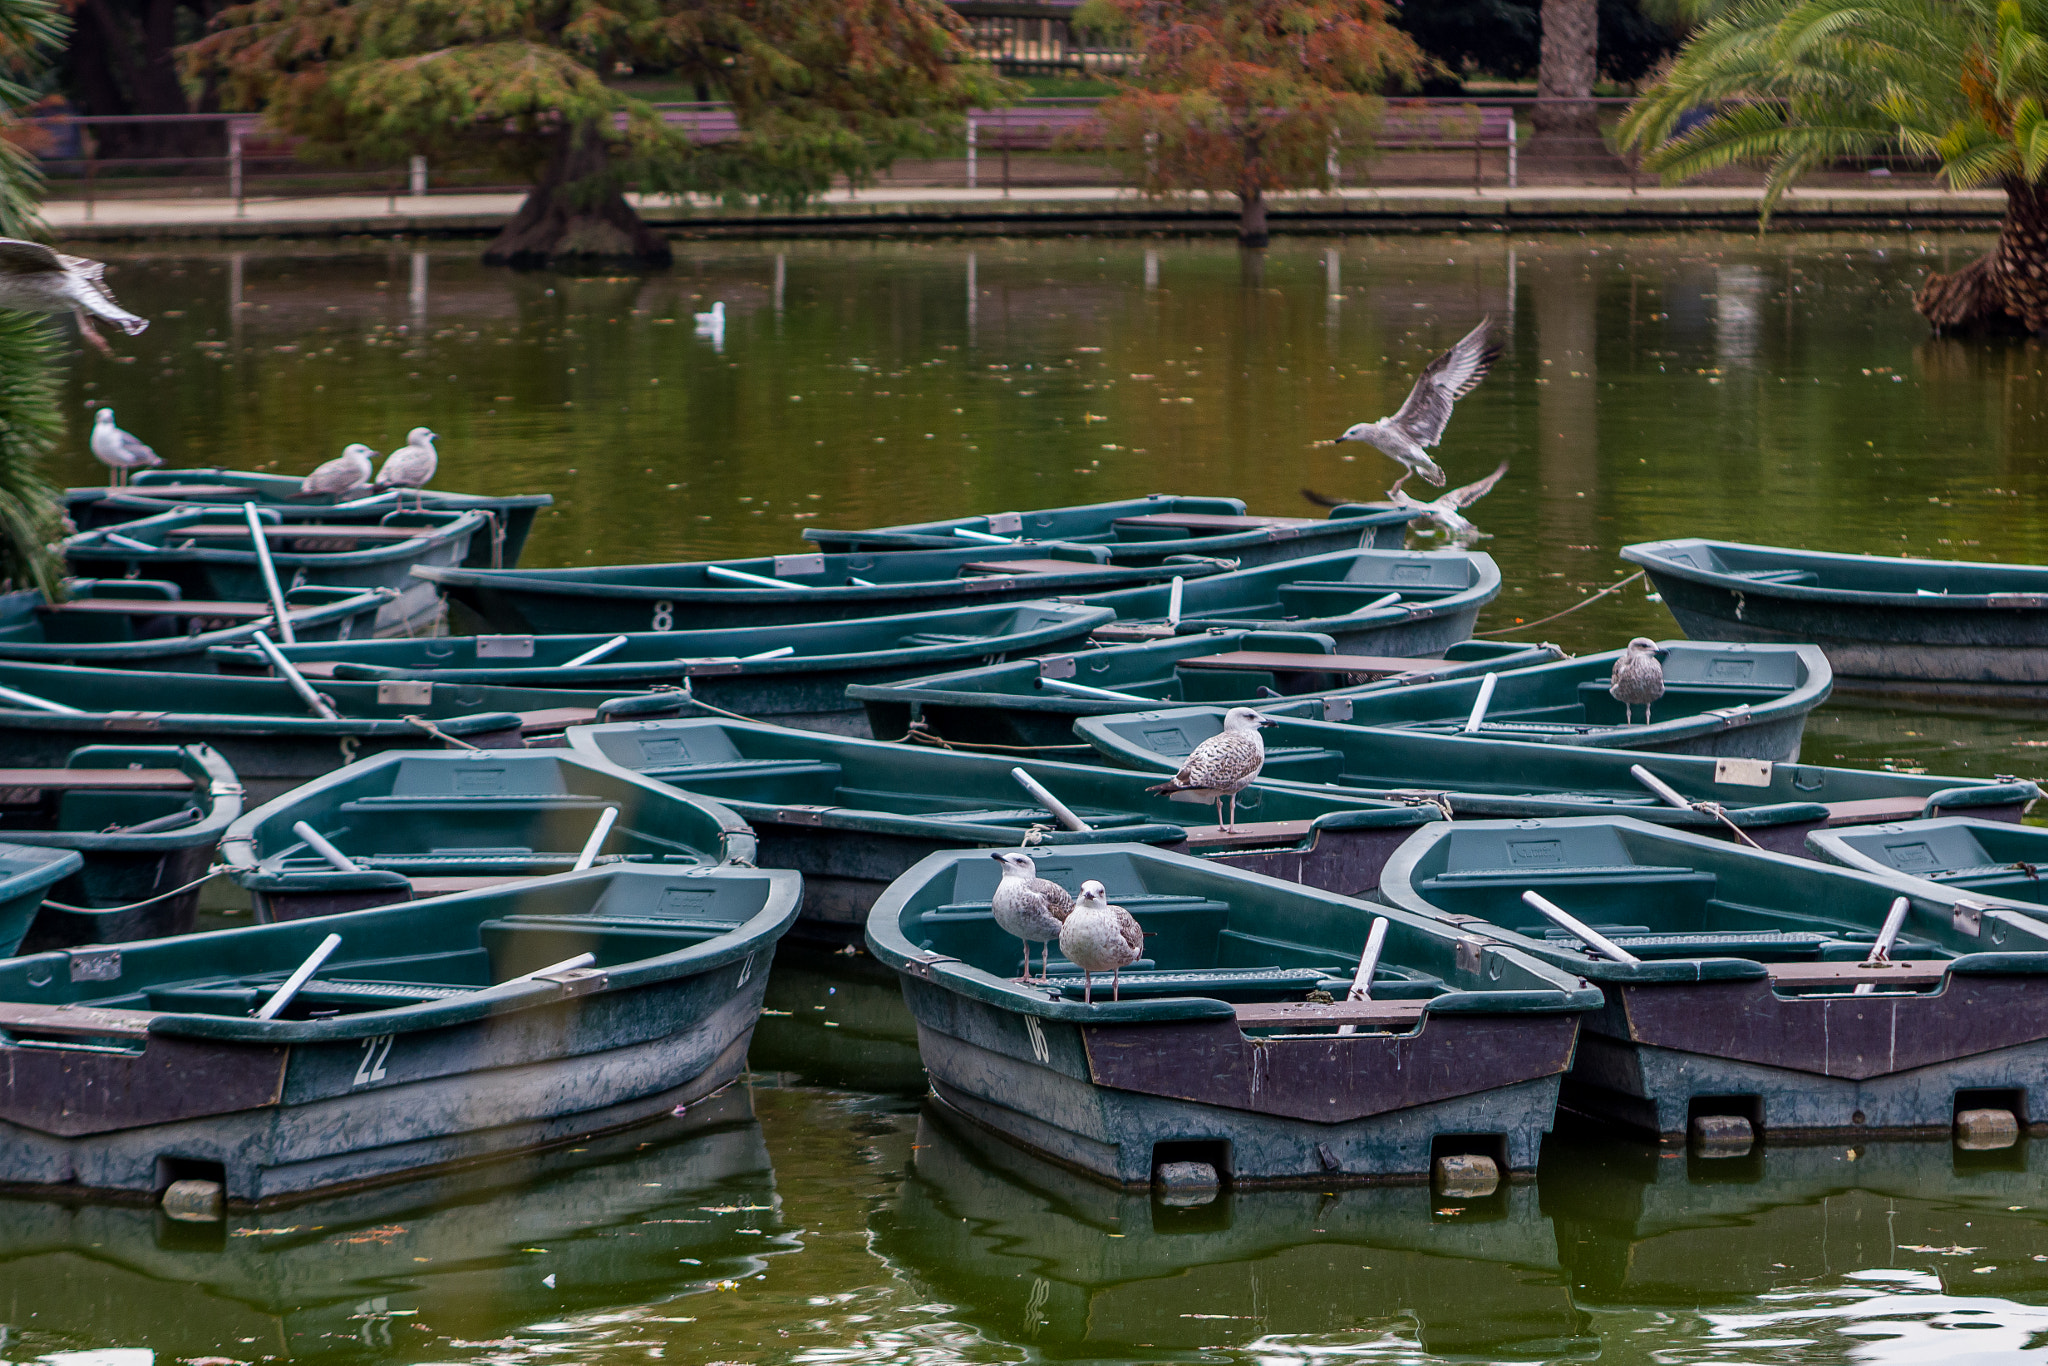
[(1447, 510), (35, 279), (1427, 412)]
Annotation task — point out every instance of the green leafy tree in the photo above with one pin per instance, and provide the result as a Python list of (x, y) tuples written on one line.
[(1249, 97), (31, 513), (1800, 84), (821, 88)]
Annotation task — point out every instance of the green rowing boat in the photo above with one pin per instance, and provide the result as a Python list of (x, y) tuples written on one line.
[(1772, 993), (853, 815), (794, 675), (1745, 701), (417, 1036), (1947, 856), (1033, 704), (1231, 1052), (148, 623), (26, 875), (1147, 530), (1774, 804), (414, 824)]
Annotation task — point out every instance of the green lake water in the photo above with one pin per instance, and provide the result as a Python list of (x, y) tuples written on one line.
[(1773, 389)]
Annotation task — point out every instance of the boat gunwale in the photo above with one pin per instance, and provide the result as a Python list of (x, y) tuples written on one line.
[(1834, 848), (213, 777), (93, 545), (1645, 553)]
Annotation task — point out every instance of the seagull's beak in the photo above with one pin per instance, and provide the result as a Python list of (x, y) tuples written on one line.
[(997, 857), (1265, 721)]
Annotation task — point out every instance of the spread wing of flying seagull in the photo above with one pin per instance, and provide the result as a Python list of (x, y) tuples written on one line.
[(1447, 510), (36, 279), (1422, 419)]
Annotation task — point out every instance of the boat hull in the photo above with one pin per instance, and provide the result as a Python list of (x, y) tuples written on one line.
[(1106, 1098), (281, 1122)]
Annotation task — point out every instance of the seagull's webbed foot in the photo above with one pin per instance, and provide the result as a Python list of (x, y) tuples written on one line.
[(90, 334)]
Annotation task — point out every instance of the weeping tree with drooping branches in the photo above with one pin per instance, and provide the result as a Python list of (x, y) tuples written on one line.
[(31, 512), (821, 89), (1797, 85), (1248, 97)]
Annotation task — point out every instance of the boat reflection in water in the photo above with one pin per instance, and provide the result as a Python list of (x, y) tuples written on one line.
[(833, 1018), (1030, 1252), (1903, 1230), (636, 1218)]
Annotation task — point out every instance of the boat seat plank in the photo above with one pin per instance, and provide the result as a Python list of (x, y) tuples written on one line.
[(1023, 567), (411, 991), (1246, 834), (292, 531), (1910, 974), (554, 718), (84, 1020), (1704, 944), (1284, 662), (443, 886), (164, 607), (1372, 1014), (95, 779), (1875, 810), (1209, 521)]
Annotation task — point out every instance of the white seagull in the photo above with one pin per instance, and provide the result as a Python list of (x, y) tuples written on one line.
[(35, 279), (1223, 765), (1447, 511), (1637, 680), (119, 451), (411, 465), (1029, 906), (1427, 412), (1099, 937), (351, 469)]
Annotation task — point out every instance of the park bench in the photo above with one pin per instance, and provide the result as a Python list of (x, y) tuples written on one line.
[(1414, 126)]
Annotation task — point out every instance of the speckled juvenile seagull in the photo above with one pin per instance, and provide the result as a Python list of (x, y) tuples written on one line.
[(1029, 906), (350, 469), (1224, 764), (35, 279), (1099, 937), (1637, 680), (412, 465), (1427, 412)]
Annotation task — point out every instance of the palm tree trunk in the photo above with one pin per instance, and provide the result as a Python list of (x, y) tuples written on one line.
[(576, 215), (1567, 64), (2006, 291), (1251, 221)]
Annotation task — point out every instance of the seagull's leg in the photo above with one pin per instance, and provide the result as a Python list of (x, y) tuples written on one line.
[(90, 334), (1116, 983), (1646, 713), (1087, 987), (1222, 826)]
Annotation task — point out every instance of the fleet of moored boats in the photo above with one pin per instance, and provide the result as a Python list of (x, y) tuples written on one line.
[(524, 882)]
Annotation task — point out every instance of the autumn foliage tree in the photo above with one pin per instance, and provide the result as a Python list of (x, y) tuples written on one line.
[(821, 88), (1249, 97)]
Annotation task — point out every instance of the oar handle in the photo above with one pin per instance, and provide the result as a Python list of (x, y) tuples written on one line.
[(596, 652), (1665, 791), (603, 827), (1368, 963), (1589, 936), (282, 997), (320, 845), (1481, 703), (295, 678), (1053, 804), (261, 544)]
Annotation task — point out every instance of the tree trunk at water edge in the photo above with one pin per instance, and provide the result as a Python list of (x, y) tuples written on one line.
[(2003, 293), (1251, 222), (1567, 66), (577, 216)]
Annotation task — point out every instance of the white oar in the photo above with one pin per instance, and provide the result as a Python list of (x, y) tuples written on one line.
[(1881, 951), (295, 678), (1481, 703), (34, 703), (1053, 804), (320, 845), (282, 997), (581, 960), (983, 536), (1173, 601), (596, 652), (1388, 601), (782, 653), (596, 840), (268, 567), (1664, 790), (719, 571), (1083, 690), (858, 582), (1591, 937), (1368, 963), (129, 542)]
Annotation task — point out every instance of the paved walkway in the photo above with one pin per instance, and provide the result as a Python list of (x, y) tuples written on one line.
[(890, 209)]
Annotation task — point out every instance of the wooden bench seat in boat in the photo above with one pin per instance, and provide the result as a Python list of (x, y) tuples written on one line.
[(1397, 1016), (1875, 810), (292, 531), (1019, 568), (553, 718), (94, 779), (1287, 662), (1209, 521)]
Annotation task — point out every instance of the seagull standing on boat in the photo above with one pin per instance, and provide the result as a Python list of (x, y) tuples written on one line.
[(1099, 937), (118, 451), (1029, 906), (1447, 511), (1223, 765), (350, 469), (35, 279), (1427, 412), (411, 465), (1637, 680)]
